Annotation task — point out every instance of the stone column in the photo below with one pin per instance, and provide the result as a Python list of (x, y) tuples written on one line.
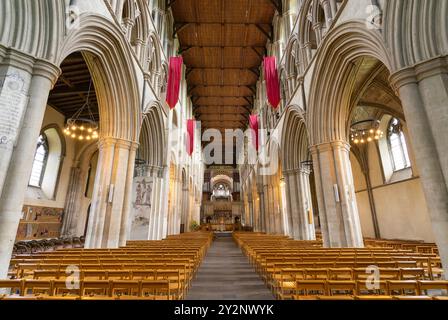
[(174, 222), (336, 195), (184, 209), (262, 211), (328, 13), (108, 200), (19, 167), (191, 208), (156, 214), (178, 208), (165, 172), (267, 209), (292, 204), (71, 207), (251, 221), (255, 211), (334, 8), (278, 218), (127, 201), (139, 48), (306, 205), (286, 207), (308, 53), (423, 94)]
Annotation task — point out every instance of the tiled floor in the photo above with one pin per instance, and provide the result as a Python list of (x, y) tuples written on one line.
[(225, 274)]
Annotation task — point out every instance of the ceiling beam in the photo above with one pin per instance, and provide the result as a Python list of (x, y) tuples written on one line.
[(260, 55), (219, 116), (219, 97), (278, 6), (222, 68), (245, 107), (68, 92), (265, 33), (255, 71), (178, 27), (252, 88), (247, 99), (169, 3), (185, 48), (220, 23)]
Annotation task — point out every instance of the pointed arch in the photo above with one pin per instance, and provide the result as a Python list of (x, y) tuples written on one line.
[(295, 141), (152, 137), (331, 84), (104, 49)]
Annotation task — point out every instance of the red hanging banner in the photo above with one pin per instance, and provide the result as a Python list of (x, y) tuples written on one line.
[(272, 81), (174, 77), (253, 124), (191, 124)]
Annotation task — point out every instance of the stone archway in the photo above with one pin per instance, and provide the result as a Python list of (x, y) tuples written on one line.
[(147, 206), (103, 47), (327, 120), (296, 172)]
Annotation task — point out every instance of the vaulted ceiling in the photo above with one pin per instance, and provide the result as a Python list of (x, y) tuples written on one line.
[(223, 43)]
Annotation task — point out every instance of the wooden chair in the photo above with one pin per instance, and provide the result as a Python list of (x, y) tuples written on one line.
[(125, 288), (437, 287), (340, 274), (37, 287), (374, 298), (341, 288), (94, 275), (118, 275), (306, 289), (95, 288), (11, 287), (412, 274), (143, 274), (285, 286), (177, 287), (60, 288), (46, 274), (337, 298), (316, 274), (155, 289), (412, 298), (403, 287), (59, 298), (364, 287)]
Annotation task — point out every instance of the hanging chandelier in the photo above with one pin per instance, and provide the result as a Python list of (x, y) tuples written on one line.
[(365, 131), (82, 128)]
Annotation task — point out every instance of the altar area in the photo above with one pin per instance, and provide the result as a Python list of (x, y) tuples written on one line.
[(222, 221)]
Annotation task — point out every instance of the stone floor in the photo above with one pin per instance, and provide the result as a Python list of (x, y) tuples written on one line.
[(225, 274)]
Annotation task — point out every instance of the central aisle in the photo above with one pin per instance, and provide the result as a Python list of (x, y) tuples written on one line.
[(225, 274)]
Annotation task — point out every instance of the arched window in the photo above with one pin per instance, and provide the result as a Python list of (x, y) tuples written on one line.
[(40, 162), (397, 145)]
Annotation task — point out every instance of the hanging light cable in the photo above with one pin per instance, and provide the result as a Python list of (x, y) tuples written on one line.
[(83, 128)]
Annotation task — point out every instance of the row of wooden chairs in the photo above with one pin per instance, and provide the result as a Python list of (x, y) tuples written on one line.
[(305, 289), (344, 274), (174, 261), (154, 289), (284, 263), (28, 270)]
